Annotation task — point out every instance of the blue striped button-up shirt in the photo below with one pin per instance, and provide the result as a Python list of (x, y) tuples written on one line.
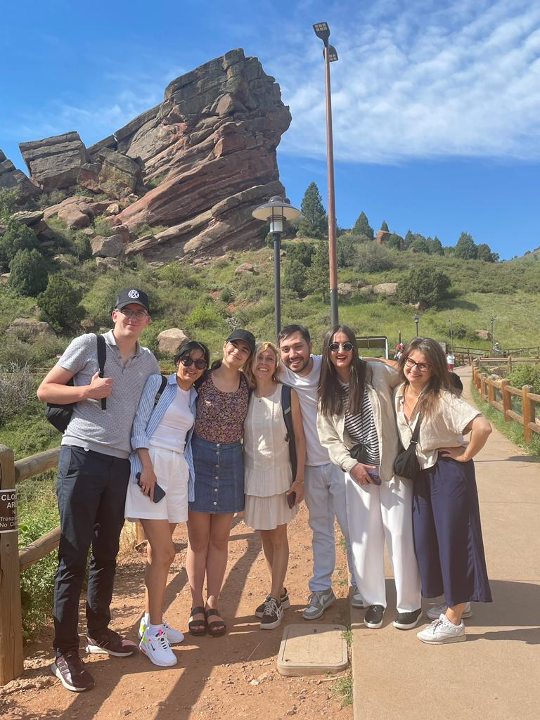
[(148, 417)]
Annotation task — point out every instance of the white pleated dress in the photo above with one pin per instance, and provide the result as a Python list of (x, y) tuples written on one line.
[(268, 473)]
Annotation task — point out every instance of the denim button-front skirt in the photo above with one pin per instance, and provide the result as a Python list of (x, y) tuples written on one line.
[(219, 476)]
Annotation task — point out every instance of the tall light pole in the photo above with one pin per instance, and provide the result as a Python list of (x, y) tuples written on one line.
[(275, 212), (416, 319), (492, 338), (451, 336), (322, 31)]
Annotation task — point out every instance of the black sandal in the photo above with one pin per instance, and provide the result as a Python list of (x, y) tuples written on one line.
[(197, 627), (216, 628)]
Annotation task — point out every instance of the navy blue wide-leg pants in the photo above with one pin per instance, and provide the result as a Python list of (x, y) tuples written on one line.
[(448, 535)]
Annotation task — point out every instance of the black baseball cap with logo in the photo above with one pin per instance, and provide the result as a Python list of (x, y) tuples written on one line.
[(246, 336), (130, 296)]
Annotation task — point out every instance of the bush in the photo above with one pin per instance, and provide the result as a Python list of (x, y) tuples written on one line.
[(347, 249), (17, 237), (371, 258), (103, 226), (424, 284), (59, 304), (17, 388), (525, 375), (295, 276), (301, 251), (204, 317), (8, 198), (226, 295), (28, 275)]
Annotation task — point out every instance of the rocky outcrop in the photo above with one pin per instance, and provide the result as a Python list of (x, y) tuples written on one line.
[(54, 162), (382, 237), (26, 328), (13, 179), (385, 288), (170, 340), (109, 247)]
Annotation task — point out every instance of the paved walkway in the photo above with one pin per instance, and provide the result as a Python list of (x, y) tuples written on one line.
[(495, 674)]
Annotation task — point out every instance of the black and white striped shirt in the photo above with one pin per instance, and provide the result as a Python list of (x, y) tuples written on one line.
[(361, 427)]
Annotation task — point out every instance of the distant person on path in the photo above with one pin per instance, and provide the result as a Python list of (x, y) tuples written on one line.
[(324, 491), (162, 456), (399, 351), (446, 515), (93, 473), (356, 423), (450, 360), (272, 492), (219, 478)]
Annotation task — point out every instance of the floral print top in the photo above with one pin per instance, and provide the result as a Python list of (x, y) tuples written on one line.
[(221, 415)]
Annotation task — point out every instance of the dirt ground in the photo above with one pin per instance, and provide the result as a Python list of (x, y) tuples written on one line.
[(229, 677)]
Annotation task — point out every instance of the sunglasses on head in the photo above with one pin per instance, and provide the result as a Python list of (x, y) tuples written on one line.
[(334, 347), (188, 361)]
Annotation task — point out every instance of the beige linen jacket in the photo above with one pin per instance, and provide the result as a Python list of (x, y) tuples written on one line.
[(381, 379)]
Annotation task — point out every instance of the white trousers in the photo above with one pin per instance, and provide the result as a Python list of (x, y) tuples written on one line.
[(379, 513), (324, 493)]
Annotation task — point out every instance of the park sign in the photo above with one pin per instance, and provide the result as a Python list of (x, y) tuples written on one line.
[(8, 511)]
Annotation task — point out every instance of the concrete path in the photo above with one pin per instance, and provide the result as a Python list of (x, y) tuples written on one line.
[(495, 674)]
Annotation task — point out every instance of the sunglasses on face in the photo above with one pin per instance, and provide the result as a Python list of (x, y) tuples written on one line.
[(134, 314), (188, 361), (420, 366), (334, 347)]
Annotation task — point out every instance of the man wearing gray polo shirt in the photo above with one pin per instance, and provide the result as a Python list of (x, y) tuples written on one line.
[(93, 472)]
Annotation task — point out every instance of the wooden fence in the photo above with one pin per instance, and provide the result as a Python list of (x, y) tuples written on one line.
[(492, 387), (13, 561)]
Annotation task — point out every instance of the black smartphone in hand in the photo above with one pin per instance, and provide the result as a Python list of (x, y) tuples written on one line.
[(291, 499), (159, 492)]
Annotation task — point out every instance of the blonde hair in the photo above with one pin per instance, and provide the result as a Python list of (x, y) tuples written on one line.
[(261, 347)]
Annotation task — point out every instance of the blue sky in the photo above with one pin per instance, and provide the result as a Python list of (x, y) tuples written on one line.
[(436, 103)]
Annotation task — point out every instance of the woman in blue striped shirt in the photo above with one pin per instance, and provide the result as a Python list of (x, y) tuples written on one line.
[(162, 483)]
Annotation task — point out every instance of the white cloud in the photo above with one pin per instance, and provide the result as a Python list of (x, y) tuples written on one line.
[(417, 82)]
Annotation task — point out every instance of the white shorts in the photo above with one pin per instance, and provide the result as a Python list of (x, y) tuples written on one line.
[(172, 474)]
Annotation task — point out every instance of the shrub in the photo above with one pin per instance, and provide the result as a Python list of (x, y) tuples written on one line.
[(301, 251), (371, 258), (103, 226), (28, 274), (17, 237), (424, 284), (17, 388), (526, 375), (226, 295), (295, 276), (8, 198), (204, 317), (59, 304)]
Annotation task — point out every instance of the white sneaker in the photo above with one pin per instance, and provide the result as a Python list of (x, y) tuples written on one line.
[(173, 636), (442, 631), (436, 611), (157, 649)]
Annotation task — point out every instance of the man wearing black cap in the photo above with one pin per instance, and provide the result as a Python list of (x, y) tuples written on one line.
[(93, 472)]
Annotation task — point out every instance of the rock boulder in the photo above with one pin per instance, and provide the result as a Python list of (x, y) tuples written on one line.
[(170, 340), (107, 247), (54, 162), (13, 179)]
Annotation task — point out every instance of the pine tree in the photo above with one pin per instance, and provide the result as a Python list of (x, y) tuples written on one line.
[(16, 237), (59, 303), (384, 226), (466, 247), (395, 241), (408, 240), (484, 253), (295, 275), (435, 246), (424, 284), (313, 221), (28, 275), (362, 227), (318, 276)]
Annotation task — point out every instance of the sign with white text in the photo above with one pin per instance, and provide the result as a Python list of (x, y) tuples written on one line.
[(8, 511)]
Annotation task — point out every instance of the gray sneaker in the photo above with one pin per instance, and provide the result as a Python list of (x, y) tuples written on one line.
[(319, 600), (436, 611)]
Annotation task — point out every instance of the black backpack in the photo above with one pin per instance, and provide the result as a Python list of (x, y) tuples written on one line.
[(287, 417), (60, 415)]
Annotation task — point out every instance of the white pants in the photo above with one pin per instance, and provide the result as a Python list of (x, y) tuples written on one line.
[(324, 493), (377, 513)]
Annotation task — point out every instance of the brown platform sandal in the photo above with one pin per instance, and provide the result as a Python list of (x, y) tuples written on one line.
[(197, 627), (216, 628)]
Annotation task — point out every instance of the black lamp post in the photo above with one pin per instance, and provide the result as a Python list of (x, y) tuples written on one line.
[(275, 212), (322, 31), (416, 319), (451, 336), (492, 338)]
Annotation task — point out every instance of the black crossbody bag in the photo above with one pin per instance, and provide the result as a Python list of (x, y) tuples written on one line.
[(406, 463)]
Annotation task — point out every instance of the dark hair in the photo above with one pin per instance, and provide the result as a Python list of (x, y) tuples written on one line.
[(455, 382), (185, 349), (331, 402), (289, 330), (440, 377)]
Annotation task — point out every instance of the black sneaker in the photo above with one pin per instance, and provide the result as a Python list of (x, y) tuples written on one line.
[(69, 669), (107, 641), (283, 599), (374, 616), (273, 614), (408, 620)]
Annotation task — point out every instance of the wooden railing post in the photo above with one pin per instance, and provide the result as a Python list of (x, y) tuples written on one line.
[(528, 412), (491, 390), (483, 387), (11, 641), (506, 399)]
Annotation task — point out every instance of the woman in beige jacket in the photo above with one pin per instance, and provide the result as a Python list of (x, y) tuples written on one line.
[(356, 414)]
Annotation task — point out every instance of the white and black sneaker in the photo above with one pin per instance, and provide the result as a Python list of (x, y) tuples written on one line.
[(273, 614), (374, 616), (408, 620), (283, 599), (157, 649)]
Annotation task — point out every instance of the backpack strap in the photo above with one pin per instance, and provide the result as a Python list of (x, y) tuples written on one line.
[(287, 419), (163, 385), (416, 431), (101, 357)]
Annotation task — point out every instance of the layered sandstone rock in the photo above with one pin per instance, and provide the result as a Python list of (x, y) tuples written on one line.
[(13, 179), (54, 162)]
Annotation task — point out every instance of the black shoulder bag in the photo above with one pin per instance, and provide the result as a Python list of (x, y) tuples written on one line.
[(287, 418), (60, 415), (406, 463)]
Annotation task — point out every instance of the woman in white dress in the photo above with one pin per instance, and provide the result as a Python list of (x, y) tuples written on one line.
[(271, 500), (162, 460)]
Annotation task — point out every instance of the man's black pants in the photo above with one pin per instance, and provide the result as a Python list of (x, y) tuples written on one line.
[(91, 490)]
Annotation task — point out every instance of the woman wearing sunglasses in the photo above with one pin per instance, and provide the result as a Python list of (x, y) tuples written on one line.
[(219, 479), (446, 516), (162, 482), (356, 423)]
